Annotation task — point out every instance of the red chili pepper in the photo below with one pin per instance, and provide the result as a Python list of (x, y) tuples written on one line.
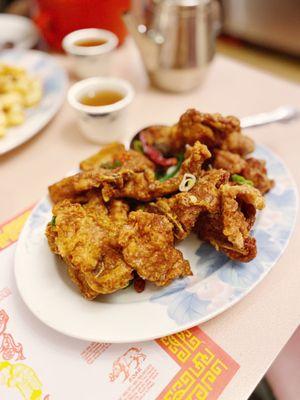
[(155, 155), (138, 283)]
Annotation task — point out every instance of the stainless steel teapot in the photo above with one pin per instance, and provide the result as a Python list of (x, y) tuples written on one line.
[(176, 39)]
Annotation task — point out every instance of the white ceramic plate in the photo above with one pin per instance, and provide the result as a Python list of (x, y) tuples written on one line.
[(127, 316), (54, 81), (18, 30)]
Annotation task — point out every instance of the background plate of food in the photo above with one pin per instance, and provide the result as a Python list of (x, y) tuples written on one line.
[(32, 89), (146, 242)]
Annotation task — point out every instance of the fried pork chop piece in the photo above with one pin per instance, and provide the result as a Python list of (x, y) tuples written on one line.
[(231, 162), (144, 186), (148, 247), (228, 230), (183, 209), (114, 154), (75, 186), (250, 168), (110, 167), (107, 155), (213, 130), (137, 182), (85, 236), (255, 170)]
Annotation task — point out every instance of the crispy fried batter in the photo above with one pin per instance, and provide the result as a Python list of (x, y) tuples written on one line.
[(209, 228), (105, 245), (107, 154), (183, 209), (137, 182), (213, 130), (249, 251), (236, 225), (76, 185), (109, 169), (79, 279), (228, 229), (193, 160), (231, 162), (256, 171), (223, 137), (116, 153), (85, 236), (250, 168), (148, 246)]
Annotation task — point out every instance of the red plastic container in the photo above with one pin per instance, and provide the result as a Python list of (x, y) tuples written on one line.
[(57, 18)]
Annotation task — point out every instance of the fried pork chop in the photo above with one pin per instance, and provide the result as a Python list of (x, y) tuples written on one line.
[(183, 209), (213, 130), (85, 236), (228, 229), (118, 219), (135, 181), (147, 241)]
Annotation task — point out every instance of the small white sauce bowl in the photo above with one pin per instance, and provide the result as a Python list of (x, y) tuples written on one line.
[(102, 124), (92, 60)]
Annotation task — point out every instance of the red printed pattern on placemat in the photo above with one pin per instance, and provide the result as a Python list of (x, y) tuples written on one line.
[(93, 351), (205, 369), (15, 374)]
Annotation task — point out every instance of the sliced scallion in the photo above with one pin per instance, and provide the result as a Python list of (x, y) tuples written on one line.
[(241, 180)]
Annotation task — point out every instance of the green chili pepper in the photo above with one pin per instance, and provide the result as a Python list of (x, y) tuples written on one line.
[(241, 180), (172, 171), (129, 284), (113, 165), (137, 145), (53, 221), (116, 164)]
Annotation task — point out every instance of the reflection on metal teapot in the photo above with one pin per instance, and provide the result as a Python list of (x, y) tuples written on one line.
[(176, 39)]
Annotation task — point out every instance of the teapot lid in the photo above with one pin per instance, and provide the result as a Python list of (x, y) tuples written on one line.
[(190, 3), (181, 6), (181, 3)]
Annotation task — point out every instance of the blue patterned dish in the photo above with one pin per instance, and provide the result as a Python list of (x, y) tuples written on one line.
[(217, 283), (54, 81)]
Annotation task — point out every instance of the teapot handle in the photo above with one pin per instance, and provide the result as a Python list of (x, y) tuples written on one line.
[(216, 17)]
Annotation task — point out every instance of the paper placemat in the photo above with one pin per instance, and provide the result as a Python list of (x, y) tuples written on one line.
[(37, 363)]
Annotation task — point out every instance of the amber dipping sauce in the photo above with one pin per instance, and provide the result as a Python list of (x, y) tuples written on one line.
[(90, 42), (101, 98)]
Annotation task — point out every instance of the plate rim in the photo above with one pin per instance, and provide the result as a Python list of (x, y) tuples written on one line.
[(180, 327), (43, 122)]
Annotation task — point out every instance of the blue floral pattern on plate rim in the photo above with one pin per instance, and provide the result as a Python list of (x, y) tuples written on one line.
[(222, 282), (218, 282)]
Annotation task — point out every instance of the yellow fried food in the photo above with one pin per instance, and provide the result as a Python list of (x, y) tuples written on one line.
[(183, 209), (114, 155), (118, 219), (250, 168), (236, 223), (228, 229), (18, 91), (255, 170), (133, 178), (231, 162), (148, 247), (213, 130), (85, 237)]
